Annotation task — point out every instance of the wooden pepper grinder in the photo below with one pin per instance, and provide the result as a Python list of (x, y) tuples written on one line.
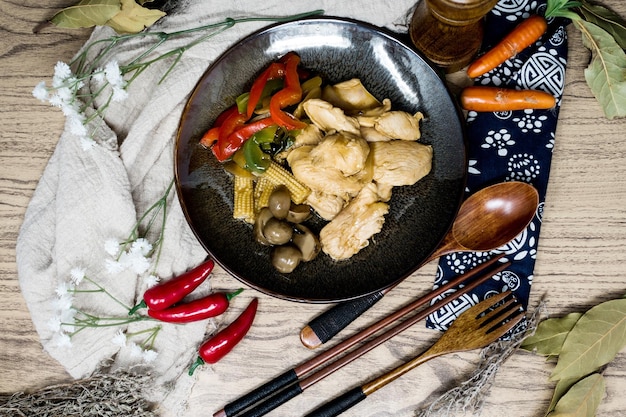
[(449, 32)]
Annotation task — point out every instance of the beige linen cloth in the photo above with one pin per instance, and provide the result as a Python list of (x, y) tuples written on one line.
[(87, 196)]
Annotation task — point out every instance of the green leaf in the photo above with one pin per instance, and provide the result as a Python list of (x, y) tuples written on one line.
[(560, 390), (562, 8), (583, 399), (134, 18), (607, 20), (606, 74), (593, 341), (87, 13), (550, 335)]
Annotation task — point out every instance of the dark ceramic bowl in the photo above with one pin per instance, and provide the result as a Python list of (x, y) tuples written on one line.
[(419, 216)]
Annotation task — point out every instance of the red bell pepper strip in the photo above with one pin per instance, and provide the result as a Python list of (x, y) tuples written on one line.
[(289, 95), (170, 292), (233, 122), (216, 347), (275, 70), (210, 137), (236, 139), (203, 308)]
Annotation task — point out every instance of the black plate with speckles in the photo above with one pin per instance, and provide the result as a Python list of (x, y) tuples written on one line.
[(420, 215)]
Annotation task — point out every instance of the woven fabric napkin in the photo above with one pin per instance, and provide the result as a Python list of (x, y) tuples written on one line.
[(91, 193), (510, 146)]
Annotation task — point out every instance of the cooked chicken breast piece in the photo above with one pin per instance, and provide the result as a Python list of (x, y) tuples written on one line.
[(329, 118), (400, 162), (351, 230), (327, 206), (343, 151), (351, 96), (399, 125), (326, 179)]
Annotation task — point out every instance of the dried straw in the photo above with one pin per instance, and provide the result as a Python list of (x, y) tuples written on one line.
[(104, 394)]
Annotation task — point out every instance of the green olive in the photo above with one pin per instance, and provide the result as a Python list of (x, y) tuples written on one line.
[(277, 232), (286, 258), (279, 202)]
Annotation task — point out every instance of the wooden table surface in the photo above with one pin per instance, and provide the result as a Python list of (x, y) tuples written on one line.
[(580, 261)]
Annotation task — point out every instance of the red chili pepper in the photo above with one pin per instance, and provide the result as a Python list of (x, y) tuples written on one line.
[(289, 95), (216, 347), (275, 70), (203, 308), (170, 292)]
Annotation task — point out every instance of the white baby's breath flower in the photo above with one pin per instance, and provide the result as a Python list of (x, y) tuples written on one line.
[(152, 280), (54, 324), (40, 91), (141, 246), (62, 72), (63, 288), (64, 302), (77, 127), (77, 275), (56, 101), (98, 76), (113, 267), (65, 94), (136, 351), (139, 264), (119, 94), (112, 246), (149, 355), (113, 74), (119, 339), (61, 340)]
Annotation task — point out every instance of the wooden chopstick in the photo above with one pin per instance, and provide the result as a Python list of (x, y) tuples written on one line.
[(291, 378)]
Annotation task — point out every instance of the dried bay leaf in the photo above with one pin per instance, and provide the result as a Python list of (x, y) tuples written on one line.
[(134, 18), (583, 399), (607, 20), (87, 13), (605, 74), (550, 335), (561, 388), (593, 342)]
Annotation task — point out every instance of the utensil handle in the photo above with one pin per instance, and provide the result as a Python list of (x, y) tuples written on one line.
[(258, 394), (339, 404), (273, 402), (325, 326)]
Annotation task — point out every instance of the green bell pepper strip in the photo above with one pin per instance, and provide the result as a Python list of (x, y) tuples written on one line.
[(258, 161)]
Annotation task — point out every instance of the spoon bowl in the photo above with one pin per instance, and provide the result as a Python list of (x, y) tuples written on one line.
[(490, 218)]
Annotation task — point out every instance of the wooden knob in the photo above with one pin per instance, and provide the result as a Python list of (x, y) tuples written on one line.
[(449, 32)]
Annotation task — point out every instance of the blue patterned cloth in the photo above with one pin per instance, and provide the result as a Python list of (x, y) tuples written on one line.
[(510, 146)]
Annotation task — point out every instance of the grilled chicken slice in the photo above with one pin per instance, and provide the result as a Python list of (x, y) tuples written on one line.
[(351, 229)]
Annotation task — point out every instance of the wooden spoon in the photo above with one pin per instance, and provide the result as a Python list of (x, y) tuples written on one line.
[(486, 220)]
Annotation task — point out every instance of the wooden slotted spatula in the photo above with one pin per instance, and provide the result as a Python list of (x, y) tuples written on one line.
[(477, 327)]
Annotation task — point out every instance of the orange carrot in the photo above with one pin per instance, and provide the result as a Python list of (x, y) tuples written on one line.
[(520, 38), (493, 99)]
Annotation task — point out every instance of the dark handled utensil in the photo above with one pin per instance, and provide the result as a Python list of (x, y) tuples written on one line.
[(293, 382), (488, 219), (477, 327)]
